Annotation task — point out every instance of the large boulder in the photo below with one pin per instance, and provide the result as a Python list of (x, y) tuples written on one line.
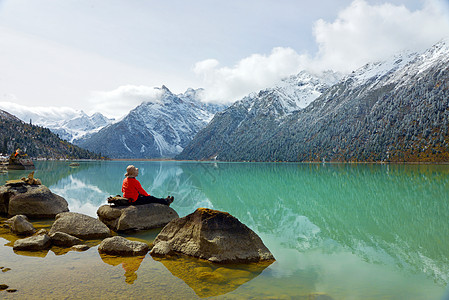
[(35, 201), (119, 245), (80, 226), (139, 217), (33, 243), (20, 225), (212, 235)]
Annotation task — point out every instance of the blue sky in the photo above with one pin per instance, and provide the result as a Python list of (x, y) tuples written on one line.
[(107, 55)]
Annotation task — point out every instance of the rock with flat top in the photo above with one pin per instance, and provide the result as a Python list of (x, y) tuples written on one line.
[(212, 235), (119, 245), (138, 217), (81, 226)]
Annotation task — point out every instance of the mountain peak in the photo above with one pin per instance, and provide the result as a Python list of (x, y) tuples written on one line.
[(165, 89), (390, 110), (154, 129)]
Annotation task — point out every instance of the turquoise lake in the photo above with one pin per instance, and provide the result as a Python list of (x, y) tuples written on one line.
[(337, 231)]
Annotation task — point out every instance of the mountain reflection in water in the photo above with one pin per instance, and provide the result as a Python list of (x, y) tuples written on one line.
[(386, 219)]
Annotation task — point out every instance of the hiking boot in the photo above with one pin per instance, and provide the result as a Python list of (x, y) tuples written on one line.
[(169, 200)]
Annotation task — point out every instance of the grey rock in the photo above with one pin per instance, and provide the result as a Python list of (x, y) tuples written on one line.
[(34, 201), (20, 225), (80, 248), (139, 217), (33, 243), (212, 235), (79, 225), (63, 239), (5, 194), (41, 232), (119, 245)]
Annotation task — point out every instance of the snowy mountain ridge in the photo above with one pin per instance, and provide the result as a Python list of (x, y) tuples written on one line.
[(398, 67), (289, 95), (391, 110), (68, 123), (158, 128)]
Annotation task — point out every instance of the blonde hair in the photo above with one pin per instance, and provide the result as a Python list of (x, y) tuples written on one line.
[(131, 171)]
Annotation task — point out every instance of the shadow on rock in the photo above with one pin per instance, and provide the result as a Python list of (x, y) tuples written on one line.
[(210, 279)]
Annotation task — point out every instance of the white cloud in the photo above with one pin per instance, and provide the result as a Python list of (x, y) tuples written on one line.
[(119, 102), (363, 33), (227, 84), (39, 72), (39, 114)]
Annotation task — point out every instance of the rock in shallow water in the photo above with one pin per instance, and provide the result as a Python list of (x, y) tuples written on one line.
[(34, 201), (20, 225), (138, 217), (63, 239), (212, 235), (80, 248), (119, 245), (80, 226), (33, 243)]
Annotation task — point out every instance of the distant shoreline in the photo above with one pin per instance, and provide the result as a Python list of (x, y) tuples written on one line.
[(219, 161), (296, 162)]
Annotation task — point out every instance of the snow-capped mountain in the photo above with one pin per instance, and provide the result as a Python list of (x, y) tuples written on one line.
[(289, 95), (258, 114), (81, 126), (36, 141), (154, 129), (68, 123), (395, 110)]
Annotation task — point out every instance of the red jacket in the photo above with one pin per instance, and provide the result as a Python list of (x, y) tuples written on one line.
[(131, 189)]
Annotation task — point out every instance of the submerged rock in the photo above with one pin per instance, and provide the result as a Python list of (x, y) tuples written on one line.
[(41, 231), (139, 217), (33, 243), (119, 245), (79, 225), (212, 235), (20, 225), (34, 201), (80, 248)]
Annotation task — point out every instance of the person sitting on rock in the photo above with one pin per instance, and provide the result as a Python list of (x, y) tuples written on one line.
[(133, 191)]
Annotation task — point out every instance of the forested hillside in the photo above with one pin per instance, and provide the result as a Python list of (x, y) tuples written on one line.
[(393, 111), (36, 141)]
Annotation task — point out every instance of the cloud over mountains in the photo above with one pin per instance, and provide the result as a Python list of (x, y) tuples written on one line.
[(361, 33)]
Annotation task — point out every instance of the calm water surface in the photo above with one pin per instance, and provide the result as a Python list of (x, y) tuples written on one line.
[(338, 231)]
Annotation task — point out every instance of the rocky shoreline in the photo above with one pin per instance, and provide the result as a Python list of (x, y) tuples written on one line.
[(204, 234)]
